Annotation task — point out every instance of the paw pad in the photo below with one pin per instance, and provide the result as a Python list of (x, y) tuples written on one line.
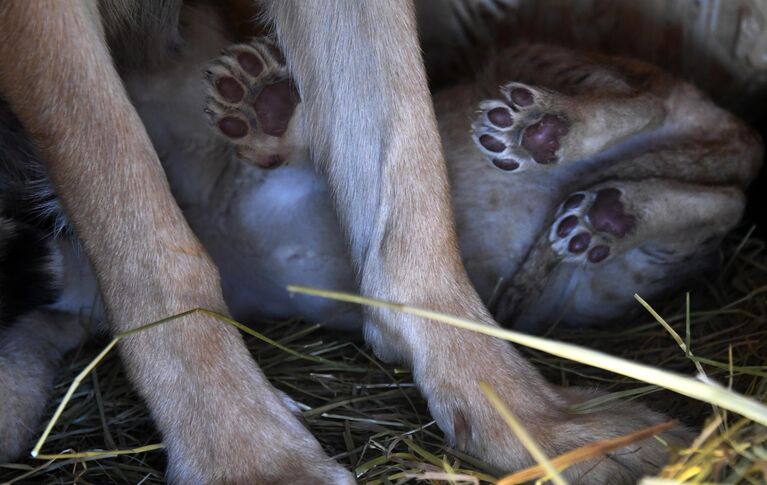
[(250, 63), (542, 138), (573, 201), (607, 214), (579, 243), (567, 225), (599, 253), (508, 164), (233, 127), (229, 89), (252, 100), (521, 96), (500, 117), (590, 225), (520, 127), (274, 106), (491, 143)]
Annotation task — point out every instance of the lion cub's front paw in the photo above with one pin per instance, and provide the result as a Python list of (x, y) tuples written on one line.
[(253, 103)]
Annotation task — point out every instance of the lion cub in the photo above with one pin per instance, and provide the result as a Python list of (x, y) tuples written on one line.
[(577, 181)]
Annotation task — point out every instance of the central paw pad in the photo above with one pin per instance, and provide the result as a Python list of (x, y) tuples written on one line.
[(542, 138), (520, 130), (252, 101), (590, 225)]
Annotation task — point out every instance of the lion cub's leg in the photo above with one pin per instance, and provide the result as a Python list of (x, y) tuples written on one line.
[(615, 239), (532, 126), (221, 420), (559, 108)]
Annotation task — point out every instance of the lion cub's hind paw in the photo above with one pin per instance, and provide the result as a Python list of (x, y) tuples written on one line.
[(521, 130), (590, 224)]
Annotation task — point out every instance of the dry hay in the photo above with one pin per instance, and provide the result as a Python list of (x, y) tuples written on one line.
[(372, 419)]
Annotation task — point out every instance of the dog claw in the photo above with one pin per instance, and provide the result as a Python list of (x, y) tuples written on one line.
[(460, 431)]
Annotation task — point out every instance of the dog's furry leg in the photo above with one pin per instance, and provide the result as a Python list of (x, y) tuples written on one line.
[(372, 130), (221, 420)]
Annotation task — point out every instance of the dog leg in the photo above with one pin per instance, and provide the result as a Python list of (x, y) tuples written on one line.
[(372, 131), (221, 420)]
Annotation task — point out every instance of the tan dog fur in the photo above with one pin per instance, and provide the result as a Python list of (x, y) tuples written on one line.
[(205, 392)]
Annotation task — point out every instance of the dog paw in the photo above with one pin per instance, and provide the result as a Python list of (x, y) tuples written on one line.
[(524, 129), (253, 103), (473, 425), (264, 444), (590, 225)]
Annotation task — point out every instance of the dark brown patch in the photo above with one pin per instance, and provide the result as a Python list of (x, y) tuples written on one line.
[(250, 63), (229, 89), (492, 144), (598, 253), (521, 96), (508, 164), (233, 127), (500, 117), (542, 138), (573, 201), (607, 214), (274, 107), (566, 226), (579, 243)]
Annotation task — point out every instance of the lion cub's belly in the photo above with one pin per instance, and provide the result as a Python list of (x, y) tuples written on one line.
[(272, 229)]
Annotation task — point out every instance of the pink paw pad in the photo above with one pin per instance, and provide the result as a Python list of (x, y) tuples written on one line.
[(542, 138), (274, 107), (233, 127), (520, 126), (250, 63), (608, 215), (253, 101), (521, 96), (590, 224), (230, 89)]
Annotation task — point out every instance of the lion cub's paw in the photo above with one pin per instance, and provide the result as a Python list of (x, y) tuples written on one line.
[(590, 224), (253, 103), (524, 129)]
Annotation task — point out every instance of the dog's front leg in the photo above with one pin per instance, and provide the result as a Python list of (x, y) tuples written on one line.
[(372, 130), (221, 420)]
